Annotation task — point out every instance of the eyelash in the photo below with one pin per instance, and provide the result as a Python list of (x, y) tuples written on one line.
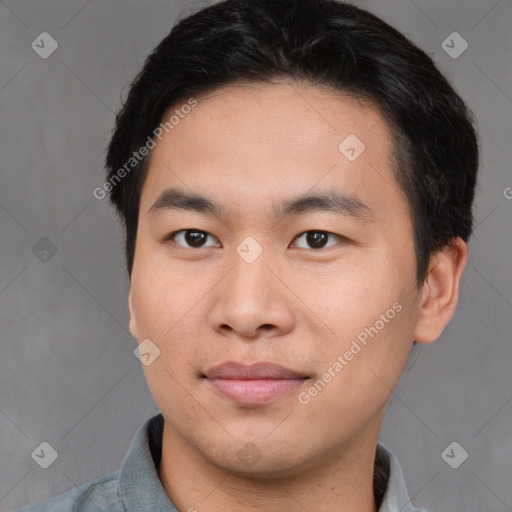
[(171, 237)]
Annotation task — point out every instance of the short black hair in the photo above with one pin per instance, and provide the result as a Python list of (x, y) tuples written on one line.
[(327, 43)]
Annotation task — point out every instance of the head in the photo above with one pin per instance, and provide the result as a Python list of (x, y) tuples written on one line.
[(325, 171)]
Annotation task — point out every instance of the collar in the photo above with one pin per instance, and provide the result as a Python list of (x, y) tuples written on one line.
[(140, 487)]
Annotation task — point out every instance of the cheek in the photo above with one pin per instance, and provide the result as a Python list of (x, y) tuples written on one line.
[(346, 295), (367, 301), (163, 297), (361, 363), (160, 321), (164, 311)]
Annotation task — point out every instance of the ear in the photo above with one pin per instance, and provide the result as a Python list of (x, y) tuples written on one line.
[(440, 292), (133, 322)]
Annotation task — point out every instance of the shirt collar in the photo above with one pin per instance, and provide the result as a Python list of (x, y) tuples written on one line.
[(396, 498), (139, 484), (140, 487)]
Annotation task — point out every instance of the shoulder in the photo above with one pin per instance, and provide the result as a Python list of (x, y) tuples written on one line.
[(95, 496)]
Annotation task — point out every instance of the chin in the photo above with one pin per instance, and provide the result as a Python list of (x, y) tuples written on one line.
[(258, 459)]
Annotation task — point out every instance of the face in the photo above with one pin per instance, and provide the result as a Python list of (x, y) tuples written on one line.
[(274, 270)]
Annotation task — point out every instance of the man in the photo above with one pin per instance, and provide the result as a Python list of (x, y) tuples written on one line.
[(295, 179)]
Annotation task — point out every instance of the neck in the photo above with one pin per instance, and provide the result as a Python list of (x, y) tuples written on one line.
[(340, 482)]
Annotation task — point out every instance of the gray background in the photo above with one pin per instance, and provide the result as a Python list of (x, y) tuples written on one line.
[(68, 375)]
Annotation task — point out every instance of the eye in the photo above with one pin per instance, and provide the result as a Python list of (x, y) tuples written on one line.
[(191, 238), (317, 239)]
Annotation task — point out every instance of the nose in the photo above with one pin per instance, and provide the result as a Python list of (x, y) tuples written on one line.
[(251, 302)]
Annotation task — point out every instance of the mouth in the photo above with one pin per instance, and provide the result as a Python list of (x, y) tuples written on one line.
[(254, 384)]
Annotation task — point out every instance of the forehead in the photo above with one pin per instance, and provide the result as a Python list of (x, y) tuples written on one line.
[(255, 144)]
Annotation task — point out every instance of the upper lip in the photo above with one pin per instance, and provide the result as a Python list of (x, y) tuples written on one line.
[(260, 370)]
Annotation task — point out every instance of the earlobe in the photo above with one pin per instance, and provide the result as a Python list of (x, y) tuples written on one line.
[(440, 292), (133, 322)]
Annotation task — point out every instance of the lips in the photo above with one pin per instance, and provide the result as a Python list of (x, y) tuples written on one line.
[(253, 384), (260, 370)]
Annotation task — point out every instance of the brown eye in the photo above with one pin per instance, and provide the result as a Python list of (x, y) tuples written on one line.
[(191, 238), (195, 238), (317, 239)]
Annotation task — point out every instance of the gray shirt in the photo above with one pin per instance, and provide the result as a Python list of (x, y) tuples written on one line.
[(136, 487)]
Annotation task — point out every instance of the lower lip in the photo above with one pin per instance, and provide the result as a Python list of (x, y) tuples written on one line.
[(255, 392)]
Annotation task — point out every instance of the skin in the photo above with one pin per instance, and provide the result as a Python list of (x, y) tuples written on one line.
[(249, 147)]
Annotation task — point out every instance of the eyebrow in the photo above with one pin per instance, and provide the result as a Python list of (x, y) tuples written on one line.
[(337, 202)]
